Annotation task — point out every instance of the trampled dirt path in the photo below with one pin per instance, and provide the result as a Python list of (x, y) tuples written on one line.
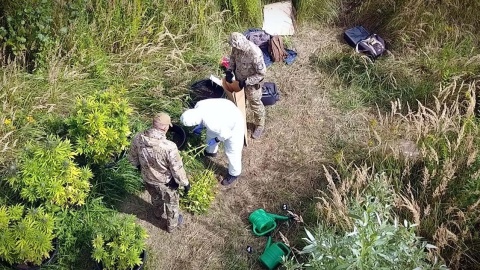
[(285, 166)]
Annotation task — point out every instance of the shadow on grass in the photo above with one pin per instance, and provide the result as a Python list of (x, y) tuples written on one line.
[(143, 210)]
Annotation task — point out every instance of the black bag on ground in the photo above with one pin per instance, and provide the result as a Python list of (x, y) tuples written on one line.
[(364, 42), (270, 94), (204, 89), (373, 46), (354, 35)]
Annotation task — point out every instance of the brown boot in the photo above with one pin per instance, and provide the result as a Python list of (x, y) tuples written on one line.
[(258, 132)]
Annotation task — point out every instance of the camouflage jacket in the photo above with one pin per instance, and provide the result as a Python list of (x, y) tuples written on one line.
[(248, 64), (158, 158)]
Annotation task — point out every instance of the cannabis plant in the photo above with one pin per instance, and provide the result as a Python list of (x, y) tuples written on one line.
[(201, 195), (100, 126), (119, 243), (26, 236), (203, 182), (47, 173)]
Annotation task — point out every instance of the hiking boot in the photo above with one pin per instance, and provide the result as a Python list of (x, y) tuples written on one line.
[(209, 154), (258, 132), (229, 179), (180, 222)]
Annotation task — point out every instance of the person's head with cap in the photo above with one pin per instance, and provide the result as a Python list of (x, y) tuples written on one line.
[(162, 121), (238, 41)]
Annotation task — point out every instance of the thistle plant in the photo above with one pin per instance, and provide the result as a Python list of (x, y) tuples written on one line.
[(100, 126), (25, 235), (376, 241), (48, 174)]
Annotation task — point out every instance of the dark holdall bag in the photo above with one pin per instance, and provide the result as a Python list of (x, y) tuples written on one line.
[(270, 94), (354, 35), (364, 42)]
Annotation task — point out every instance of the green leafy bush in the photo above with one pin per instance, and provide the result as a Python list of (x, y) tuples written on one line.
[(201, 195), (100, 125), (375, 242), (25, 235), (119, 243), (47, 173), (27, 26)]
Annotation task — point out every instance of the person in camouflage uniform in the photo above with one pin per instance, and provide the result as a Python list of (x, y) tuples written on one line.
[(248, 66), (162, 169)]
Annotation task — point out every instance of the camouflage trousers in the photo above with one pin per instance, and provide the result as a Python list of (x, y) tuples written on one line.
[(254, 97), (166, 203)]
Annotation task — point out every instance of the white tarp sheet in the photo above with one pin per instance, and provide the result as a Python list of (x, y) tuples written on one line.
[(277, 19)]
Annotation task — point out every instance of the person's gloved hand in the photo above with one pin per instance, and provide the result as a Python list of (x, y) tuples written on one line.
[(187, 189), (198, 129), (229, 75), (213, 141), (241, 84)]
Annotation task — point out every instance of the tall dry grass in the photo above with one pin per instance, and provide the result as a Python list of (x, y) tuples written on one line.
[(438, 40), (430, 159)]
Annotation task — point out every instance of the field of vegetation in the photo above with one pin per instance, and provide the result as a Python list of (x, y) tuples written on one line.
[(397, 186)]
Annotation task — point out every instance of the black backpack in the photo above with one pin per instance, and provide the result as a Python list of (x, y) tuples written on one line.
[(373, 45), (364, 42)]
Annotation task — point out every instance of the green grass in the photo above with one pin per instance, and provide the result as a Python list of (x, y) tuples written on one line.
[(348, 98), (323, 11), (379, 82)]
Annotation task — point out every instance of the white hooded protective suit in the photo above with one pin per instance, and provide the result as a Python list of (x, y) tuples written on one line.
[(223, 120)]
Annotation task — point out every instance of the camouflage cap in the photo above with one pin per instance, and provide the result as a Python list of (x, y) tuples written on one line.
[(238, 40), (162, 119)]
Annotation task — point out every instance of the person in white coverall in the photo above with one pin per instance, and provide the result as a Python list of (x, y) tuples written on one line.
[(225, 123)]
